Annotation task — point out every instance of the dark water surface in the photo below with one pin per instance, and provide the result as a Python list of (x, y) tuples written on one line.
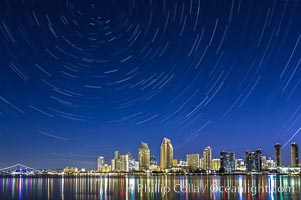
[(153, 187)]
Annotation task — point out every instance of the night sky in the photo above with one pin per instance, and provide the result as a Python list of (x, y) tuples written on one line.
[(83, 78)]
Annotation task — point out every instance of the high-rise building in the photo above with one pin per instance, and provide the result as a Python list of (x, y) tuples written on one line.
[(227, 161), (278, 156), (144, 157), (117, 161), (113, 165), (193, 160), (166, 154), (294, 154), (100, 162), (120, 163), (253, 160), (124, 160), (207, 158), (133, 164), (215, 164)]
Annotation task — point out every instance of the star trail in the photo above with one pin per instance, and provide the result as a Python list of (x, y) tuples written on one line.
[(80, 79)]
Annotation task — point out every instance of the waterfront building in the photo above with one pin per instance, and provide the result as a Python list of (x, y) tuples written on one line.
[(227, 160), (294, 155), (166, 154), (207, 158), (124, 160), (144, 157), (215, 164), (278, 155), (253, 160), (100, 162), (193, 161)]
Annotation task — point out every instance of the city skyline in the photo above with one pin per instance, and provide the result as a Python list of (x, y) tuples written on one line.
[(253, 161), (80, 79), (227, 159)]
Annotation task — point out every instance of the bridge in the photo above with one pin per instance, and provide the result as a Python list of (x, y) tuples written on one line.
[(18, 169)]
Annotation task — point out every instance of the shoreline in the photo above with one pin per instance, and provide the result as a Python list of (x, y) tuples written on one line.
[(134, 175)]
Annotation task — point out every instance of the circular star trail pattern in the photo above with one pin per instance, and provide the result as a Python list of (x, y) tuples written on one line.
[(103, 75)]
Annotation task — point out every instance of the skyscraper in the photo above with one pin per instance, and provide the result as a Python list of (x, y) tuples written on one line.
[(144, 157), (253, 160), (207, 158), (124, 160), (117, 161), (227, 161), (278, 156), (166, 154), (100, 162), (193, 160), (294, 154)]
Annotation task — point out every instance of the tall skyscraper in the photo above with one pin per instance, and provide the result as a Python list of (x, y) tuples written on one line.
[(278, 156), (294, 154), (227, 161), (253, 160), (193, 161), (100, 162), (117, 161), (207, 158), (166, 154), (124, 160), (144, 157)]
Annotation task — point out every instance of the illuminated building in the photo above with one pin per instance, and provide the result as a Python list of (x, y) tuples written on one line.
[(70, 170), (166, 154), (264, 162), (100, 162), (271, 163), (175, 163), (227, 160), (193, 161), (117, 162), (113, 164), (207, 158), (133, 164), (278, 156), (215, 164), (253, 160), (124, 160), (153, 163), (294, 155), (120, 163), (144, 157)]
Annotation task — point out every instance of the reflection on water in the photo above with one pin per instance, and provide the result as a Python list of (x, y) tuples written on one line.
[(153, 187)]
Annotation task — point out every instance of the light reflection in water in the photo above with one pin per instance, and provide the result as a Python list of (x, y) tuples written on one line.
[(240, 187), (127, 187)]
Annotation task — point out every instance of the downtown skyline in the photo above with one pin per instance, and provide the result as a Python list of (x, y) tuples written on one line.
[(79, 79), (204, 159)]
